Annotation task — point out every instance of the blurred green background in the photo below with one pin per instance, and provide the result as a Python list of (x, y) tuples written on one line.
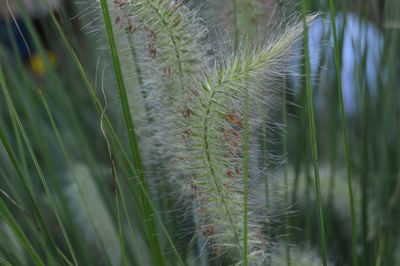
[(63, 155)]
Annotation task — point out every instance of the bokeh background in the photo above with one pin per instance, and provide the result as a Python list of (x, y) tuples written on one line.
[(56, 78)]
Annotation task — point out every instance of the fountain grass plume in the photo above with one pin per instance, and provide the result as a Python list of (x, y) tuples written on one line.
[(194, 103), (217, 140), (164, 52)]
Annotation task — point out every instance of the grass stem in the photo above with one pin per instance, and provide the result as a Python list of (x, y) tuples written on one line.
[(345, 136), (313, 137), (151, 227)]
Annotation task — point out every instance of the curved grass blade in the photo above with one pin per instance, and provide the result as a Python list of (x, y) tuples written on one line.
[(43, 227), (37, 166), (7, 216), (110, 127)]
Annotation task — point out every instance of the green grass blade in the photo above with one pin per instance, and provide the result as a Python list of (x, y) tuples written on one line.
[(110, 127), (7, 216), (37, 166), (313, 137), (285, 175), (70, 165), (151, 227), (27, 187), (246, 177), (4, 262), (345, 137)]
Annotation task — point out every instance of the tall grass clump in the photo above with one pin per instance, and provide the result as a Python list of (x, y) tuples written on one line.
[(173, 133), (194, 116)]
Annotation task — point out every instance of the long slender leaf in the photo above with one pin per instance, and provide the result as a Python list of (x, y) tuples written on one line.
[(313, 137)]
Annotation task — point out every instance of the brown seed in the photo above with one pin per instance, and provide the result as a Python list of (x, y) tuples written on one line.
[(131, 28), (151, 42), (187, 113), (234, 119), (194, 191), (217, 250), (119, 3), (117, 20), (153, 52), (230, 173), (237, 170), (234, 147), (187, 133), (208, 230)]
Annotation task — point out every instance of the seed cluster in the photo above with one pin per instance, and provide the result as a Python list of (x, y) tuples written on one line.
[(195, 118)]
